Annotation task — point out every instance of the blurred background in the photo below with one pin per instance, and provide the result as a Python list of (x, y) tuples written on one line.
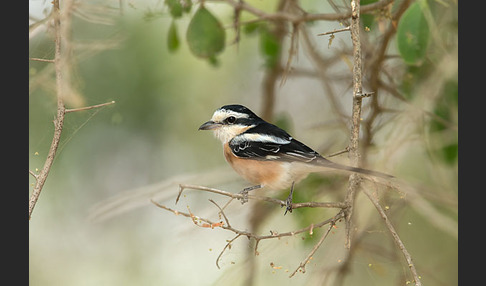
[(94, 223)]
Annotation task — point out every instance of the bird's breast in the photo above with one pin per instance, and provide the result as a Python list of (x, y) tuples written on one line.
[(270, 174)]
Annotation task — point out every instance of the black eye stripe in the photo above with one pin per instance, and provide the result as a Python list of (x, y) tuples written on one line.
[(230, 120)]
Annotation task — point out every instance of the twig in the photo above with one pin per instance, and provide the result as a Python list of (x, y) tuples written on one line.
[(41, 60), (33, 174), (210, 224), (395, 236), (318, 244), (339, 152), (305, 17), (335, 31), (89, 107), (293, 51), (281, 203), (224, 249), (221, 212)]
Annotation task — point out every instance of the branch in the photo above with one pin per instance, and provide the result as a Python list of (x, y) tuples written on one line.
[(42, 60), (395, 236), (61, 110), (206, 223), (89, 107), (354, 179), (63, 88), (335, 31), (305, 17), (302, 265), (281, 203), (224, 249)]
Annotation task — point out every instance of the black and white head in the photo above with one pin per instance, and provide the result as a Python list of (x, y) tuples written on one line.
[(230, 121)]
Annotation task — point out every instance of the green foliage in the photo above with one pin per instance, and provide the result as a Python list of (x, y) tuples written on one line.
[(284, 121), (414, 75), (252, 28), (423, 55), (173, 42), (367, 19), (175, 8), (413, 34), (269, 47), (445, 109), (205, 34), (178, 7)]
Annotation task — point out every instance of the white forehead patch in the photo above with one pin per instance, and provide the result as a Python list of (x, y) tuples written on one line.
[(221, 114)]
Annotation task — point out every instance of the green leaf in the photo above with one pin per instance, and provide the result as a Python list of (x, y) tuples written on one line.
[(205, 34), (175, 8), (251, 28), (173, 42), (446, 109), (413, 34), (367, 19), (269, 47)]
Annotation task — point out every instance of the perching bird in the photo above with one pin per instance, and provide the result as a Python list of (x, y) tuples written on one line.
[(266, 155)]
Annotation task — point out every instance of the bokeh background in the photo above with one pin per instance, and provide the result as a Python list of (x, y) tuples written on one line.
[(94, 223)]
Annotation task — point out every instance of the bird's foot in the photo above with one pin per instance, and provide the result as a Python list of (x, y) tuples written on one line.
[(288, 201), (245, 191)]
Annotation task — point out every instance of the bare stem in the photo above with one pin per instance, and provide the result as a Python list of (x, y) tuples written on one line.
[(41, 60), (335, 31), (318, 244), (281, 203), (89, 107), (395, 236), (63, 88), (61, 110), (206, 223), (354, 179)]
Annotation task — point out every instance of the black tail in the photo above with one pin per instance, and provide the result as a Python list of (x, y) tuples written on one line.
[(329, 164)]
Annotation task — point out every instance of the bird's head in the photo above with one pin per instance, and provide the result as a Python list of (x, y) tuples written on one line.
[(230, 121)]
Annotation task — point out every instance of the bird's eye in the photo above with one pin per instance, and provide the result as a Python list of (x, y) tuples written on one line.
[(231, 120)]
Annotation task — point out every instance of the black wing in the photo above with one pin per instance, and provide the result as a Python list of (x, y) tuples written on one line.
[(268, 142)]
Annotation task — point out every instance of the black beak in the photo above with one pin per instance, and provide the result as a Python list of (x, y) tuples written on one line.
[(209, 125)]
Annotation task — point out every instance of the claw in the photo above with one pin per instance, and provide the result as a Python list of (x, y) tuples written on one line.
[(288, 201), (245, 191)]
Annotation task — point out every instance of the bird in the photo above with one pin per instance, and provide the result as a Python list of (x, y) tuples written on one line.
[(266, 155)]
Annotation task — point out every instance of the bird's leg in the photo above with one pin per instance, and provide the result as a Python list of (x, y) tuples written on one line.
[(245, 191), (288, 202)]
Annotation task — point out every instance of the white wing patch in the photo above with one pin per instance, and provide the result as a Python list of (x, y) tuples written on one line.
[(260, 138), (302, 155), (271, 157)]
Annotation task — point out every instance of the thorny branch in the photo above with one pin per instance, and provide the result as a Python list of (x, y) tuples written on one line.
[(354, 179), (305, 17), (318, 244), (281, 203), (62, 89), (59, 121), (206, 223), (395, 236)]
